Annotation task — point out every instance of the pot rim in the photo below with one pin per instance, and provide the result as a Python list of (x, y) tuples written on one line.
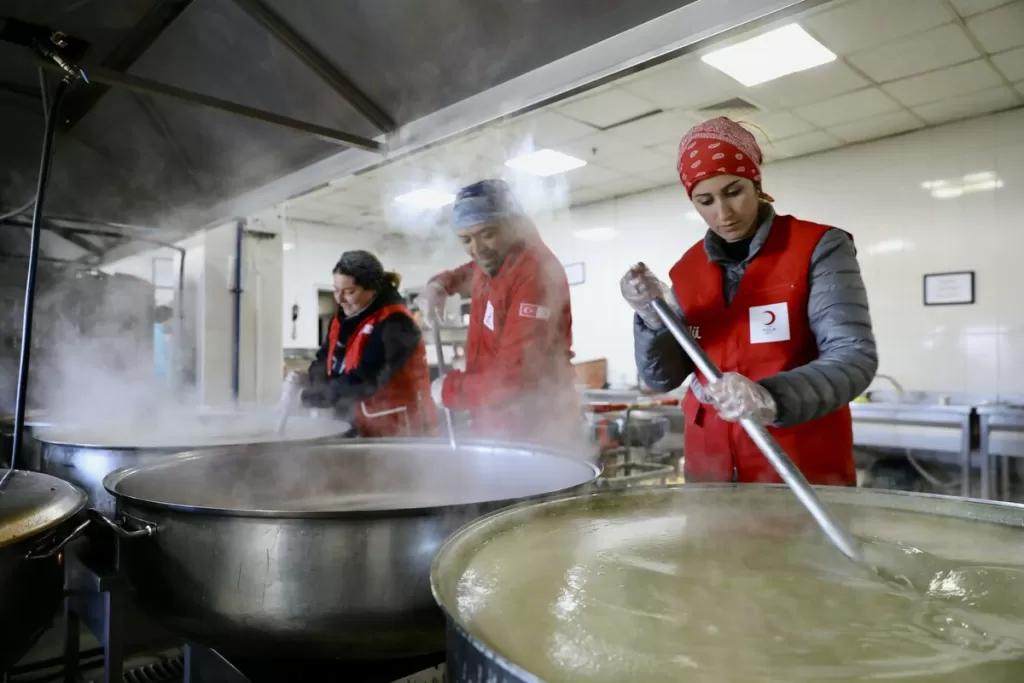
[(55, 429), (974, 509), (111, 480)]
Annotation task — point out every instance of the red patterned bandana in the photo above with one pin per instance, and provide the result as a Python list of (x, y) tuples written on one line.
[(718, 147)]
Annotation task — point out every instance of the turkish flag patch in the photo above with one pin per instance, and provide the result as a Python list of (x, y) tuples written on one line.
[(534, 311)]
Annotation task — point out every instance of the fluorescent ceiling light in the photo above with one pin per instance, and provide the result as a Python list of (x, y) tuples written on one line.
[(426, 198), (984, 181), (770, 55), (545, 162), (288, 246), (594, 234)]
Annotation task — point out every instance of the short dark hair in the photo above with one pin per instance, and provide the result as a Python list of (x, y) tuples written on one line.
[(367, 271)]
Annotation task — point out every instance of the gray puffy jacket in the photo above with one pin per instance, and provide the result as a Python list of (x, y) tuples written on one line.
[(839, 319)]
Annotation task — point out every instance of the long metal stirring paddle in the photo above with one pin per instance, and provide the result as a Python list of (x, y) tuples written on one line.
[(435, 330), (289, 390), (835, 532)]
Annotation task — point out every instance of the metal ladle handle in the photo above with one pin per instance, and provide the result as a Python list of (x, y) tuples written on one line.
[(435, 330), (835, 532)]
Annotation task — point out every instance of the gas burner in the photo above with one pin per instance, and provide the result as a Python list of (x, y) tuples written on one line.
[(203, 665)]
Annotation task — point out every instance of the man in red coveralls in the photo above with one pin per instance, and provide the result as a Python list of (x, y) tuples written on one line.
[(519, 382)]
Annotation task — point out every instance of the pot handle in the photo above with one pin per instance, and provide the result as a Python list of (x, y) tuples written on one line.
[(145, 528), (45, 554)]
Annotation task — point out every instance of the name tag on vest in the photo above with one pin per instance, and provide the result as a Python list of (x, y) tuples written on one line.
[(769, 323), (489, 317)]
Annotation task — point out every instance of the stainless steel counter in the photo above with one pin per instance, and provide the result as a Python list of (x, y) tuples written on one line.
[(1001, 437), (917, 427)]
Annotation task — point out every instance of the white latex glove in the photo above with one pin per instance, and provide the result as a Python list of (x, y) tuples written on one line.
[(434, 298), (639, 288), (736, 397), (436, 389)]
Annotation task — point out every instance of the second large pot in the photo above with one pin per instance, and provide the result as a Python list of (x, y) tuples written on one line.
[(84, 455), (315, 551)]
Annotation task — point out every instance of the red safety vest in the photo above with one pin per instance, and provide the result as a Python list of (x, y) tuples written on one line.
[(762, 332), (402, 407)]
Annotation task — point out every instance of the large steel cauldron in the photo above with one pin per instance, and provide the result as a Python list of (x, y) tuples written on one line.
[(316, 550), (84, 455), (35, 524), (694, 520)]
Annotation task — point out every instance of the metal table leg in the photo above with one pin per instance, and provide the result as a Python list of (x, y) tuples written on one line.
[(987, 484), (1004, 478), (965, 457), (72, 642)]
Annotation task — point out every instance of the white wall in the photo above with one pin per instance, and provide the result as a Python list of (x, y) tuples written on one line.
[(209, 279), (872, 190)]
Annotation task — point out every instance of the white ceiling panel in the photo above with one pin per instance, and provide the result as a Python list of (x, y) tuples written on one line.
[(596, 148), (935, 49), (966, 8), (586, 195), (862, 24), (944, 84), (654, 130), (1001, 29), (630, 185), (607, 108), (690, 85), (590, 175), (969, 105), (876, 127), (550, 128), (846, 108), (806, 144), (1011, 64), (778, 126), (819, 83), (635, 161)]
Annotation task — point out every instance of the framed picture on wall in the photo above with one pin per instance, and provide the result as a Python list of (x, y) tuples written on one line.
[(576, 273), (949, 289)]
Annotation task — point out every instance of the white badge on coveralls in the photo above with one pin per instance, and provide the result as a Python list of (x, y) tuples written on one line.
[(769, 323), (489, 317)]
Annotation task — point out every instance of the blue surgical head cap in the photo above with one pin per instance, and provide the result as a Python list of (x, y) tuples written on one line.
[(486, 201)]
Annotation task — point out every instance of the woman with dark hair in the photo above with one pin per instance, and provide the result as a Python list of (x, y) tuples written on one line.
[(373, 366), (777, 302)]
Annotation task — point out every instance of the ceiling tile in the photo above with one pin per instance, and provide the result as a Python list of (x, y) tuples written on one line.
[(608, 107), (932, 50), (944, 84), (846, 108), (1011, 63), (805, 144), (689, 85), (976, 104), (636, 161), (1000, 29), (627, 186), (857, 25), (778, 126), (598, 148), (875, 127), (654, 130), (590, 175), (585, 195), (812, 85), (668, 150), (549, 128), (966, 8)]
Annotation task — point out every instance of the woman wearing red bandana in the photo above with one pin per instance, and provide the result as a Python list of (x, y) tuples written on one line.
[(777, 302)]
